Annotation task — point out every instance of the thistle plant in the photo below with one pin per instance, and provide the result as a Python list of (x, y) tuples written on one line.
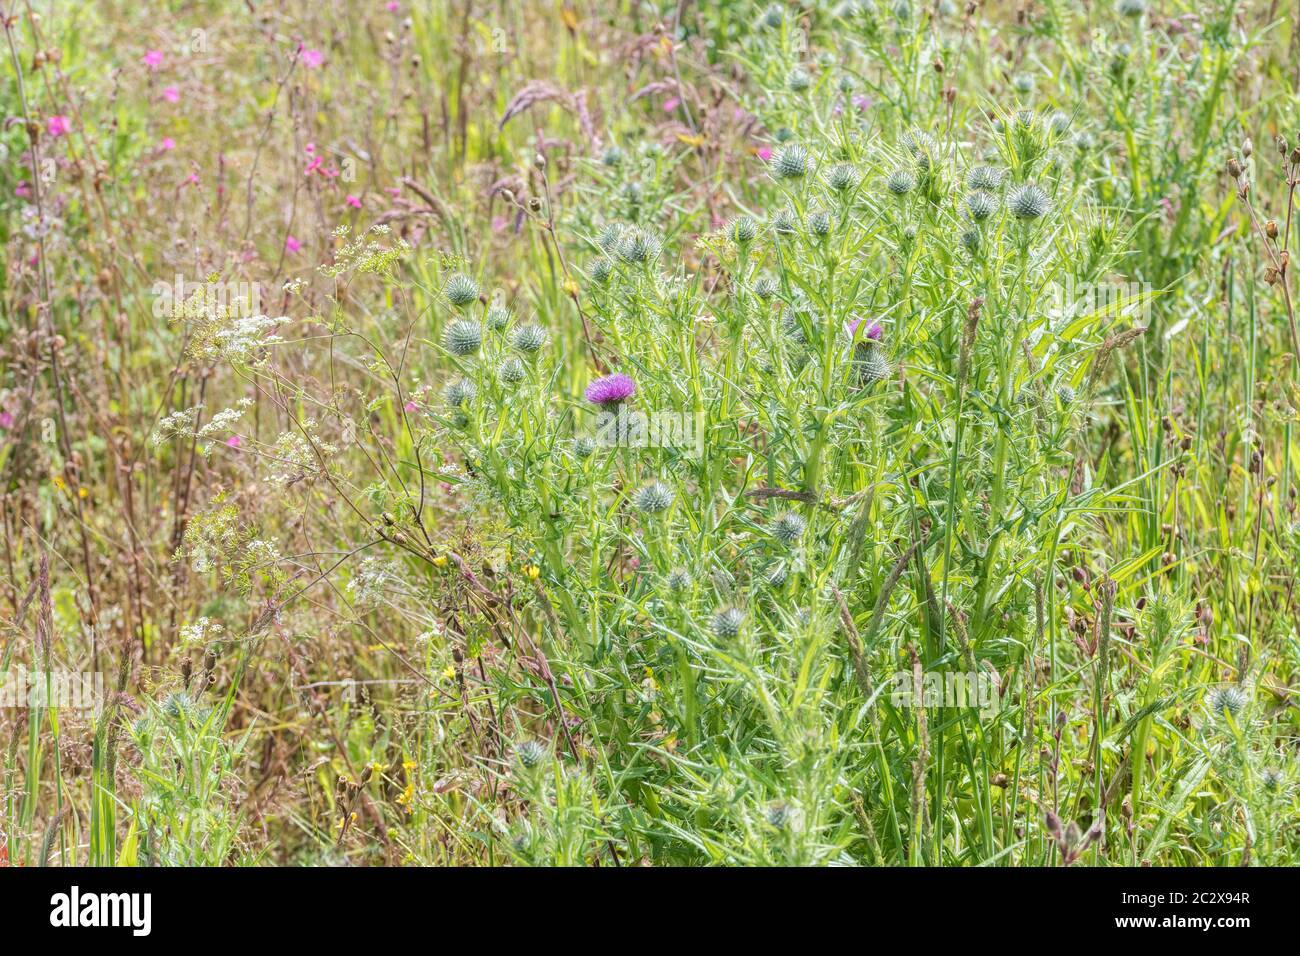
[(620, 469)]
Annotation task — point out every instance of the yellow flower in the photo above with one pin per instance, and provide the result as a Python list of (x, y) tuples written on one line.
[(448, 672), (58, 482), (533, 571), (440, 561)]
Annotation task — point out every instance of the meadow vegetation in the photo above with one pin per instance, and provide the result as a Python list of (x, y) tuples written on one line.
[(619, 433)]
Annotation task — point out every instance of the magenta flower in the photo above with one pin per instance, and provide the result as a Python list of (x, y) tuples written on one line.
[(392, 6), (167, 143), (354, 201), (873, 330), (153, 59), (765, 153), (58, 126), (23, 190), (234, 441), (171, 94), (313, 58), (291, 244), (410, 408), (611, 389), (6, 420), (672, 103)]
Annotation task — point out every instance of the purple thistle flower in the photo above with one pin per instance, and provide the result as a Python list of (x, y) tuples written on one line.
[(873, 332), (611, 389)]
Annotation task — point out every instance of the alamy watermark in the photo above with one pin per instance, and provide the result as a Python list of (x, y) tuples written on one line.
[(977, 690), (625, 427), (21, 689), (1072, 299), (240, 300)]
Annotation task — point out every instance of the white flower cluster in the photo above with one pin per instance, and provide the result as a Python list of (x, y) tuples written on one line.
[(177, 423), (200, 632), (372, 576), (295, 458), (225, 419)]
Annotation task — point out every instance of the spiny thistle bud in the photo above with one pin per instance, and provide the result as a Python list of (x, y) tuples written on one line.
[(1025, 119), (463, 337), (988, 178), (584, 446), (511, 371), (819, 223), (900, 182), (613, 156), (1029, 202), (842, 177), (785, 222), (528, 338), (777, 574), (601, 270), (1229, 701), (498, 318), (798, 80), (179, 704), (742, 230), (727, 622), (870, 363), (1273, 780), (1058, 123), (609, 237), (774, 16), (765, 287), (922, 146), (1132, 8), (1023, 83), (679, 579), (461, 290), (653, 498), (530, 753), (789, 527), (791, 162), (1083, 141), (970, 241), (460, 392), (1065, 394), (638, 246), (779, 814), (981, 205)]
